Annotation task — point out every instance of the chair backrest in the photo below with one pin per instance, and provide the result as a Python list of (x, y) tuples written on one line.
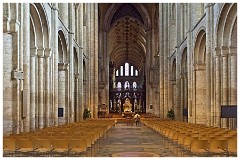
[(9, 145), (42, 143), (232, 143), (24, 144), (199, 144), (78, 144), (218, 144), (59, 143)]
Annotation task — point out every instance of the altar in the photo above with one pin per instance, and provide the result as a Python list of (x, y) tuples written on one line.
[(127, 106), (128, 114)]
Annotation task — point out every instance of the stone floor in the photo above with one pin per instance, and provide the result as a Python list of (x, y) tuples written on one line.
[(137, 141)]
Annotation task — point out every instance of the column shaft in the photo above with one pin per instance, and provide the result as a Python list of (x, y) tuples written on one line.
[(47, 86), (26, 66), (32, 88), (40, 88), (55, 50)]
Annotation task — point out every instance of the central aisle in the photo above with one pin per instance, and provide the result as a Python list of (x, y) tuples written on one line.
[(141, 141)]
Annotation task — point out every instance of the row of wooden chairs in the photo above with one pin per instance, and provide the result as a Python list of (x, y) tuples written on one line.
[(196, 138), (65, 140)]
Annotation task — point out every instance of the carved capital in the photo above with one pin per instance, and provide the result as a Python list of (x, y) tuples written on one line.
[(33, 51), (199, 66), (17, 74), (47, 52), (40, 52)]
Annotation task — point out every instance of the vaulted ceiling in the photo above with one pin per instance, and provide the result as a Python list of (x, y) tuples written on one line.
[(126, 27)]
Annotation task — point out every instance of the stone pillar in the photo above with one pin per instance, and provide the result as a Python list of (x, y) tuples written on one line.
[(218, 88), (200, 93), (63, 13), (114, 76), (233, 82), (55, 72), (47, 86), (225, 82), (71, 65), (161, 62), (209, 37), (80, 62), (147, 71), (62, 91), (26, 66), (40, 53), (76, 95), (166, 53), (233, 75), (95, 26), (32, 87)]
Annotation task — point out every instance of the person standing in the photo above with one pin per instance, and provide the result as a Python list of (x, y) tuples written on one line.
[(137, 119)]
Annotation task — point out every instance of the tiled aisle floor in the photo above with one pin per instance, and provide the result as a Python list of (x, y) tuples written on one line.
[(140, 140)]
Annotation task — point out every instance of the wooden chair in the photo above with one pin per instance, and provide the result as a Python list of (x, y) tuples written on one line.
[(42, 147), (60, 147), (24, 147), (9, 147), (217, 146), (199, 147), (232, 147), (77, 146)]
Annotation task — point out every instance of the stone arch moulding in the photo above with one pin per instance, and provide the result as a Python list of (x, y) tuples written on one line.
[(37, 25), (223, 22), (63, 44), (200, 46), (45, 24)]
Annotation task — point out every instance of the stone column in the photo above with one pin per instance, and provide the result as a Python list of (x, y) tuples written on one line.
[(218, 88), (32, 87), (166, 53), (40, 53), (55, 72), (26, 66), (161, 62), (200, 93), (95, 26), (147, 71), (209, 37), (62, 91), (63, 13), (71, 65), (80, 62), (47, 86), (76, 95), (225, 81), (233, 75)]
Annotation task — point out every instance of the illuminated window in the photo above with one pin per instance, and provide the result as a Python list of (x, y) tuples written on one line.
[(119, 85), (131, 70), (126, 69), (116, 72), (136, 72), (134, 84), (126, 85), (121, 71)]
